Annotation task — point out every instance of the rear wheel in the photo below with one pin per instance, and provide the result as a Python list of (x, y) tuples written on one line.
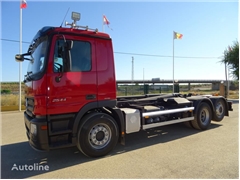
[(97, 135), (188, 124), (203, 117), (219, 110)]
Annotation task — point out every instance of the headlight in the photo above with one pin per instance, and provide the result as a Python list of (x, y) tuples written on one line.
[(33, 129)]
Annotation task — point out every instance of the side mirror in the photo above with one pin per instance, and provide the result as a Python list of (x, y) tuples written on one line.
[(68, 44), (19, 58)]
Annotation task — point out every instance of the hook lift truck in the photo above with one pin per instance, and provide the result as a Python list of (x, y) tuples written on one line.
[(71, 95)]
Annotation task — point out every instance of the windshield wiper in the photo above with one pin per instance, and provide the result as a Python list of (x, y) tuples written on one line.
[(29, 72)]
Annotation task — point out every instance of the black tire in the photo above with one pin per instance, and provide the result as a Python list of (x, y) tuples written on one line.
[(97, 135), (203, 117), (219, 110), (188, 124)]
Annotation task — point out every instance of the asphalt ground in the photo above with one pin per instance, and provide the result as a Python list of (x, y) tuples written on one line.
[(173, 151)]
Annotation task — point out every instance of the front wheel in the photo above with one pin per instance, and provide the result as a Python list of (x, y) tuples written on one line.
[(97, 135), (203, 117)]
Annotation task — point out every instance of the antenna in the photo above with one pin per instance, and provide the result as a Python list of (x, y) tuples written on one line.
[(64, 17)]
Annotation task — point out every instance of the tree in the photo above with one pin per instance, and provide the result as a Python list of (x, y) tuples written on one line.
[(231, 58)]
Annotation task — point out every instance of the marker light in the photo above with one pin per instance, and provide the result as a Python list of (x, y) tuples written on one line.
[(44, 127)]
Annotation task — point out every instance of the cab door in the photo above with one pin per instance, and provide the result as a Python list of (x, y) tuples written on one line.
[(71, 74)]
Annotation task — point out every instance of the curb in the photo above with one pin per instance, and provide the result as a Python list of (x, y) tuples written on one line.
[(12, 108)]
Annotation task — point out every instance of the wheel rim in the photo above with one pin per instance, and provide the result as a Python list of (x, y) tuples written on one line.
[(99, 136), (219, 109), (204, 116)]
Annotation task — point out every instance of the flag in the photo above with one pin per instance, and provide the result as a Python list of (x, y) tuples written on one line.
[(23, 4), (105, 20), (177, 35)]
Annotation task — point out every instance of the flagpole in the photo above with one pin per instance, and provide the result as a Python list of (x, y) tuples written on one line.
[(226, 74), (228, 82), (102, 23), (173, 61), (20, 52)]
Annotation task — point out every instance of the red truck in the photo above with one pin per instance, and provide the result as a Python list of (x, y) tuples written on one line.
[(71, 95)]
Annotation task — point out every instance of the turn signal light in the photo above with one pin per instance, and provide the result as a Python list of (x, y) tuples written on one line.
[(44, 127)]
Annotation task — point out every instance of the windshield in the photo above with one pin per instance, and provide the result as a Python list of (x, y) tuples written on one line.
[(38, 55)]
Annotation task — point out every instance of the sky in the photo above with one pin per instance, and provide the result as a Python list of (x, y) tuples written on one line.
[(140, 30)]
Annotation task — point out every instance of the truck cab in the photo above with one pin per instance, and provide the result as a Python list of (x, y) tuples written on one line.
[(70, 70)]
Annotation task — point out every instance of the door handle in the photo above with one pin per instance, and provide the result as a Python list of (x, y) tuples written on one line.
[(90, 96)]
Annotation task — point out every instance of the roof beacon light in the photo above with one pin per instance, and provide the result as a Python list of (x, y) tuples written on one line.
[(76, 16)]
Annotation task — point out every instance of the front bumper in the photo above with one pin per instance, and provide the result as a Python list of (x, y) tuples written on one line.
[(40, 140)]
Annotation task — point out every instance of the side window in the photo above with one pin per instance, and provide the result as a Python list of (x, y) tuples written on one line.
[(81, 56)]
